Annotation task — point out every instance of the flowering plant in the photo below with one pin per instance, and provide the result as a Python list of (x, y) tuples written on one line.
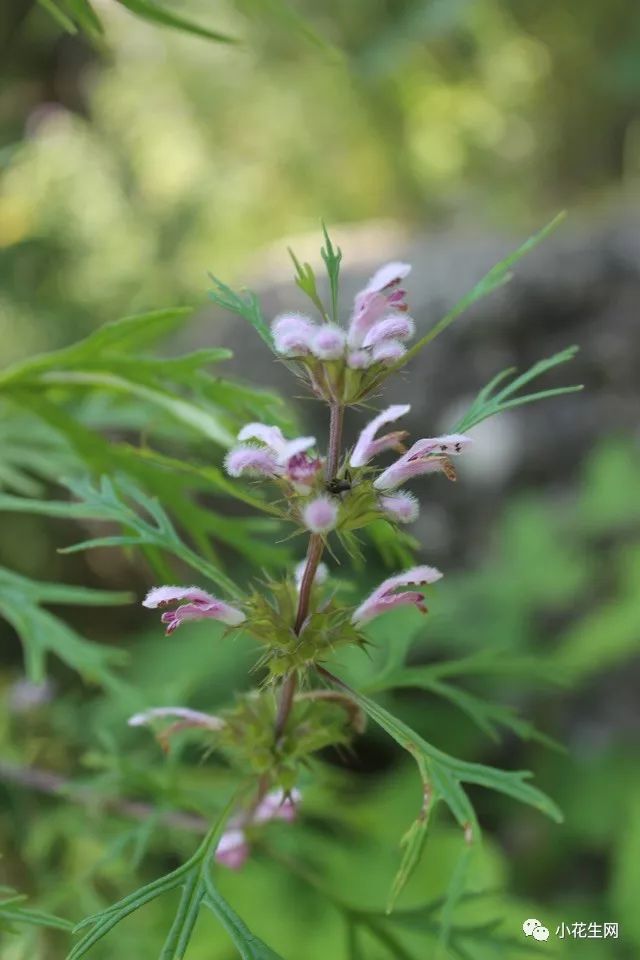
[(270, 737)]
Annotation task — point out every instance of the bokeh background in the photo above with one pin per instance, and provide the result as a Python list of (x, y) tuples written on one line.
[(439, 132)]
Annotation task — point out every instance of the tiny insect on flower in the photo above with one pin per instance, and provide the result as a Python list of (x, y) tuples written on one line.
[(425, 456), (200, 606), (385, 598)]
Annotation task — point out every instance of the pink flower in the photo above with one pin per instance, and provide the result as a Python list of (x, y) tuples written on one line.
[(425, 456), (367, 447), (401, 506), (201, 605), (328, 342), (397, 326), (233, 849), (388, 351), (302, 471), (186, 717), (359, 359), (384, 598), (292, 334), (320, 515), (380, 296), (277, 457), (254, 461), (278, 805)]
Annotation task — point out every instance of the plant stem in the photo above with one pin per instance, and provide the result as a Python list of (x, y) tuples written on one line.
[(335, 439), (314, 555)]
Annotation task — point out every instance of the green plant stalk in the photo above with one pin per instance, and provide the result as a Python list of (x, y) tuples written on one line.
[(314, 555)]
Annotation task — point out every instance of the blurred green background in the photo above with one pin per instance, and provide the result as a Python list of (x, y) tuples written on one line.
[(443, 133)]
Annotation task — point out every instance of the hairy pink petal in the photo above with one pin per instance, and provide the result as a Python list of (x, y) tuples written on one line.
[(256, 461), (451, 444), (159, 596), (233, 849), (388, 351), (402, 507), (271, 436), (320, 515), (201, 605), (359, 359), (278, 447), (328, 342), (379, 296), (389, 274), (384, 598), (294, 447), (277, 805), (302, 471), (397, 326), (292, 334), (194, 718), (367, 446), (425, 456)]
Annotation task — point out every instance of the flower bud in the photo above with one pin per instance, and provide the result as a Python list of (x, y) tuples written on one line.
[(320, 515)]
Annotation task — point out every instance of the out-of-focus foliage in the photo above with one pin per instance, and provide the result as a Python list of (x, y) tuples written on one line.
[(129, 168), (347, 851), (124, 181)]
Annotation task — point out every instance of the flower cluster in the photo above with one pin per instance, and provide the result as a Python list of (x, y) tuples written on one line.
[(298, 621), (378, 327), (346, 363), (234, 845)]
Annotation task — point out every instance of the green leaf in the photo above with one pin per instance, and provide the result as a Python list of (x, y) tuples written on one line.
[(151, 527), (454, 895), (203, 421), (191, 875), (154, 13), (58, 15), (488, 402), (85, 16), (413, 844), (107, 503), (495, 278), (246, 306), (306, 281), (446, 774), (249, 946), (184, 922), (118, 337), (486, 715), (42, 633), (332, 257), (11, 912)]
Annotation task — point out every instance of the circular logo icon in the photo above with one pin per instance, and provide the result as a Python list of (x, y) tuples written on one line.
[(533, 928)]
